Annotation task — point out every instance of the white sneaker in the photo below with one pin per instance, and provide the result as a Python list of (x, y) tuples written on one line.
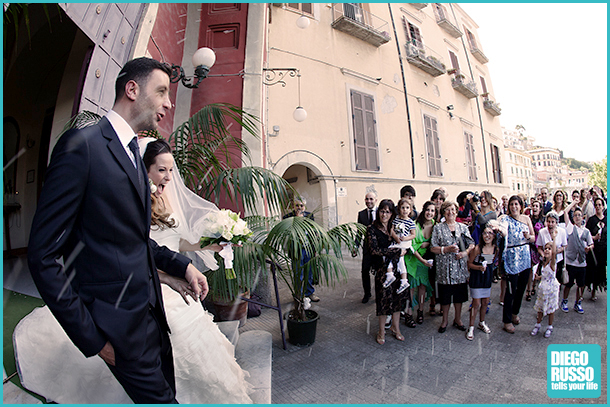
[(404, 284), (470, 333), (548, 332), (483, 327), (389, 279)]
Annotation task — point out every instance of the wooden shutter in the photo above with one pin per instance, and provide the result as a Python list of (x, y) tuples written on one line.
[(470, 158), (405, 26), (433, 147), (365, 134), (483, 84), (454, 61), (440, 10), (471, 40), (495, 161)]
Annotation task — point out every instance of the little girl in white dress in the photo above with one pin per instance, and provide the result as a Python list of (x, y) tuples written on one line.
[(548, 290)]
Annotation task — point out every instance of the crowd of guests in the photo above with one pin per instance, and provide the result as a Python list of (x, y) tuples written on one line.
[(451, 251)]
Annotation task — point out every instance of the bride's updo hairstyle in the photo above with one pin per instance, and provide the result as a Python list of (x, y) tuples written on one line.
[(159, 217)]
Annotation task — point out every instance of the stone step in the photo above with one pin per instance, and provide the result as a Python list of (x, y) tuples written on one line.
[(13, 394), (254, 354), (230, 329)]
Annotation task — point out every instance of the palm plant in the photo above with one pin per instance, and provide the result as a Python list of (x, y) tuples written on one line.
[(293, 239)]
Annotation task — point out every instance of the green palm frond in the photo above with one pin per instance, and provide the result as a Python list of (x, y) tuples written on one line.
[(210, 159), (348, 234)]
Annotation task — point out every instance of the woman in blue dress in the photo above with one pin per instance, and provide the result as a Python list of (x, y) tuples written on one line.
[(517, 260)]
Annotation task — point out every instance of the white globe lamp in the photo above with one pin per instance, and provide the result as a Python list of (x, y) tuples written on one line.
[(299, 114)]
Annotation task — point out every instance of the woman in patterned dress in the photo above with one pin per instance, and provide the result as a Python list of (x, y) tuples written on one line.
[(387, 300), (516, 259), (451, 243)]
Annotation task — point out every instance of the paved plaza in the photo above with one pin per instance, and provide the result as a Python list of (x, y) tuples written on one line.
[(346, 365)]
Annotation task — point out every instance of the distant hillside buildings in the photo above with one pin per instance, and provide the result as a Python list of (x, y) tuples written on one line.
[(530, 167)]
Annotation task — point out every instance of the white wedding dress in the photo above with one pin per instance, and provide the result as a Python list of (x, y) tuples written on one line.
[(205, 368)]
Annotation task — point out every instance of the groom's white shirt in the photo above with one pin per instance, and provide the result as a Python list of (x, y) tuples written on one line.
[(123, 130)]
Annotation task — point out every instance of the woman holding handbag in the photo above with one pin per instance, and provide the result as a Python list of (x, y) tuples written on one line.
[(451, 243)]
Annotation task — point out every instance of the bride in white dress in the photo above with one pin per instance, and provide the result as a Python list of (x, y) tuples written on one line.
[(204, 361)]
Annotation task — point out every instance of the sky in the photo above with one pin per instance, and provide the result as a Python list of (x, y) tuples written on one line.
[(548, 68)]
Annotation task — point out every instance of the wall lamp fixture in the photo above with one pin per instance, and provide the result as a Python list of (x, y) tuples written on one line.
[(273, 76), (203, 59)]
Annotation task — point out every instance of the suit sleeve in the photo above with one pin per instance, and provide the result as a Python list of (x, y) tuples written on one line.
[(169, 261), (59, 206)]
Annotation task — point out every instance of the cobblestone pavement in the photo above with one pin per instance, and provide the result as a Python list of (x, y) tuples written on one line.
[(346, 365)]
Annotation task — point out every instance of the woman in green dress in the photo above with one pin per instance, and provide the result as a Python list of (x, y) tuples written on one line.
[(420, 260)]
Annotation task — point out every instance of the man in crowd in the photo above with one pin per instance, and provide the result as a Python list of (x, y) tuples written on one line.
[(366, 217)]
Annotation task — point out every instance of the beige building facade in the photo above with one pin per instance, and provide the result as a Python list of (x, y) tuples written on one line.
[(519, 173), (395, 94)]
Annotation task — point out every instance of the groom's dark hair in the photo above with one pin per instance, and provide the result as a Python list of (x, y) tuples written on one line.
[(138, 70)]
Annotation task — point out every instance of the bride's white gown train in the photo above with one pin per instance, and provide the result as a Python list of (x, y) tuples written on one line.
[(205, 367)]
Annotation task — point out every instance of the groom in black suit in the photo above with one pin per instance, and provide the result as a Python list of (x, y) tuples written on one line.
[(94, 212), (366, 217)]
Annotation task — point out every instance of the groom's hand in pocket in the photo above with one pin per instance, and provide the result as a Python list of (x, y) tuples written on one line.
[(107, 354)]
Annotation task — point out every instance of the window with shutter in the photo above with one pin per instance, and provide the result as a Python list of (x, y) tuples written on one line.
[(495, 163), (412, 33), (454, 61), (365, 133), (305, 8), (470, 158), (483, 84), (471, 40), (433, 147)]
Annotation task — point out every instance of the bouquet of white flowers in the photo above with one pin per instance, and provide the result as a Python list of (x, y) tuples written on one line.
[(226, 228)]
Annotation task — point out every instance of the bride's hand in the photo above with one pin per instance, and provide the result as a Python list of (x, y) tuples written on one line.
[(215, 247), (180, 285), (198, 282)]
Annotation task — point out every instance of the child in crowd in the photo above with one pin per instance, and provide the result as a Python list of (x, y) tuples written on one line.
[(548, 290), (403, 232), (482, 263), (580, 243)]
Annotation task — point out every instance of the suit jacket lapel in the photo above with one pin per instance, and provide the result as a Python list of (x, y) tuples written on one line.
[(116, 148)]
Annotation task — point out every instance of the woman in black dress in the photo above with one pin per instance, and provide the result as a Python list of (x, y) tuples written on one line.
[(388, 302), (597, 258)]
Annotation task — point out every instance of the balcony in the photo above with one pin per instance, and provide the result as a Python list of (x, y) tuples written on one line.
[(445, 24), (355, 21), (463, 84), (478, 54), (419, 6), (491, 106), (425, 59)]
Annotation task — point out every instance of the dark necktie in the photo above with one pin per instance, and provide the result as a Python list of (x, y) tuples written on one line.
[(370, 216), (133, 146)]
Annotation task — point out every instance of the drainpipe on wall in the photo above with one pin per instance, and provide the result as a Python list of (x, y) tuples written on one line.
[(478, 105), (404, 87)]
